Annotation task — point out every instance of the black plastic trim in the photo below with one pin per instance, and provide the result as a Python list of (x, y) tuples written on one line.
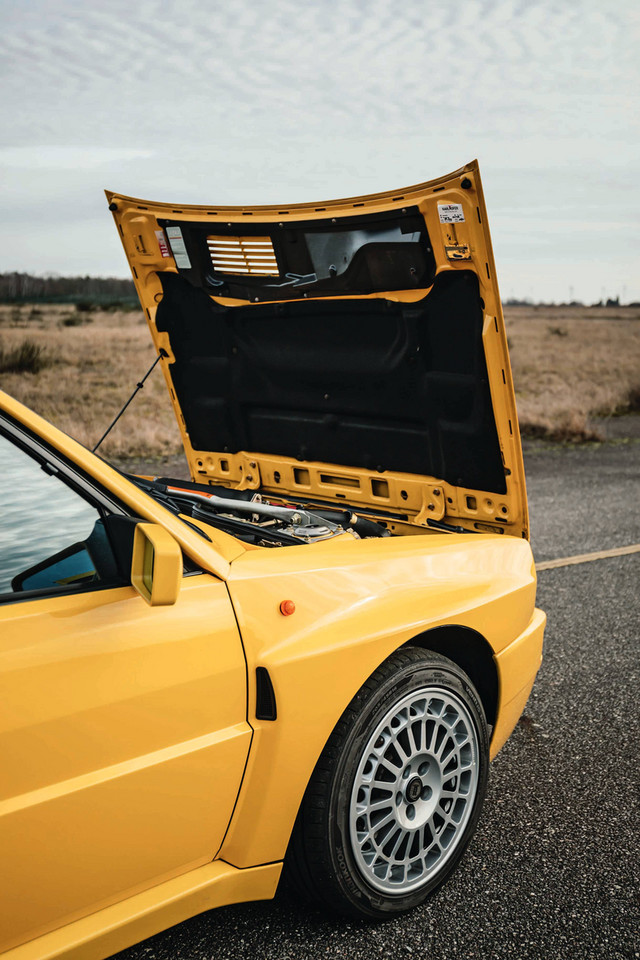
[(376, 266), (266, 708)]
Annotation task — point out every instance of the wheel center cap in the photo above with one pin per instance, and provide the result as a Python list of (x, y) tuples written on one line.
[(414, 789)]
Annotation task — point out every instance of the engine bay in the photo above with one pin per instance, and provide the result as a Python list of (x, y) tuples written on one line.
[(255, 518)]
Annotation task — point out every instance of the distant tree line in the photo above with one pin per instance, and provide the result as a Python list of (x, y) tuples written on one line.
[(25, 288), (529, 302)]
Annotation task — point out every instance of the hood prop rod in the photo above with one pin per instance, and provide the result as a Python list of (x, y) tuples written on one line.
[(139, 386)]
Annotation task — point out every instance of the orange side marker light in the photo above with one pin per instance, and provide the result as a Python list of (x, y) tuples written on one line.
[(287, 607)]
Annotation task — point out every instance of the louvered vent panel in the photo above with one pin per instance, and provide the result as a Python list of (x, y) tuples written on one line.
[(247, 255)]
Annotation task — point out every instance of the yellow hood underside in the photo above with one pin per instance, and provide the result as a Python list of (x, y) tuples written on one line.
[(345, 352)]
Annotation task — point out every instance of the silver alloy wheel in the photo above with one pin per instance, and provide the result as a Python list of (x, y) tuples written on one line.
[(414, 790)]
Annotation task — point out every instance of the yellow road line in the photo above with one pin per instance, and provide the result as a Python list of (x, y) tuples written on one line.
[(588, 557)]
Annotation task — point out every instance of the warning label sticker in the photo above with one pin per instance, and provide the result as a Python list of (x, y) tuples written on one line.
[(162, 243), (451, 213), (178, 248)]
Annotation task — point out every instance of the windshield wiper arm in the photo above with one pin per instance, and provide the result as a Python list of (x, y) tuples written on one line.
[(159, 491)]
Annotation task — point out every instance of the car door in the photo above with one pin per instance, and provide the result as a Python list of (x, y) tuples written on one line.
[(123, 732)]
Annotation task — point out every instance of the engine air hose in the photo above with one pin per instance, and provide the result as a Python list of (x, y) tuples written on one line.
[(350, 521)]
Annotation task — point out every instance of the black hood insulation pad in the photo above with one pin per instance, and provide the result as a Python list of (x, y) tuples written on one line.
[(371, 384)]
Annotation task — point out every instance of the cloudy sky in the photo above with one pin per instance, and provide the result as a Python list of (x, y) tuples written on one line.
[(247, 101)]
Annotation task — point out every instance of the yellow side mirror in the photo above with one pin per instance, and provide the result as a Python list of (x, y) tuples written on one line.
[(156, 564)]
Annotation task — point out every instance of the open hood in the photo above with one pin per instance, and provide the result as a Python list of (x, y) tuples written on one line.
[(349, 351)]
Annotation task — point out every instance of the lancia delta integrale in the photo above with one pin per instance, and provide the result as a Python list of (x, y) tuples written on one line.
[(305, 656)]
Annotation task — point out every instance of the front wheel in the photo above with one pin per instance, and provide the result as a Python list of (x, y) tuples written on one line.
[(397, 792)]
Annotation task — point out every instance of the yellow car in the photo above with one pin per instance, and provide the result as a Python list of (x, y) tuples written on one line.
[(307, 654)]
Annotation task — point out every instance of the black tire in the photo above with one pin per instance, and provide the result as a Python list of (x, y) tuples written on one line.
[(341, 850)]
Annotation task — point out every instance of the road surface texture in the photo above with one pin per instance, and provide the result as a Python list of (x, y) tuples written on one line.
[(553, 871)]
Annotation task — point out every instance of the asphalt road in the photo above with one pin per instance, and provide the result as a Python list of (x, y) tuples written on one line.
[(554, 868)]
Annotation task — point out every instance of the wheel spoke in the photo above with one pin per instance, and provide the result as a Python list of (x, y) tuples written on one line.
[(391, 767), (380, 824), (411, 730), (380, 805), (399, 838), (443, 743)]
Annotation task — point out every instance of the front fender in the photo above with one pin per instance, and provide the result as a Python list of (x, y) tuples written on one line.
[(356, 602)]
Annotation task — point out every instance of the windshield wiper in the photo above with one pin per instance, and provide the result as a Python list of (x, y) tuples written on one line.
[(159, 491)]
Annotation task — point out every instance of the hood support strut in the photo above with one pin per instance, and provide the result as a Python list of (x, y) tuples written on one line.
[(139, 386)]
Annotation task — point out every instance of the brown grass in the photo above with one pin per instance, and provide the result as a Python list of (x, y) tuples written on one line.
[(93, 368), (26, 357), (570, 365)]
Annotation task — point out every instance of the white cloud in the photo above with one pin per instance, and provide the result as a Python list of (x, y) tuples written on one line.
[(276, 100), (50, 157)]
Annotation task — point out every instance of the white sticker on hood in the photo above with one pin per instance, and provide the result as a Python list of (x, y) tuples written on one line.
[(178, 248), (451, 213)]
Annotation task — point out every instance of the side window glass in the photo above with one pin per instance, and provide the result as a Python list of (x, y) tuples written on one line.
[(51, 538)]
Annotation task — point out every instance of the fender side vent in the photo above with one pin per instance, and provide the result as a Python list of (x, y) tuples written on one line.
[(265, 696)]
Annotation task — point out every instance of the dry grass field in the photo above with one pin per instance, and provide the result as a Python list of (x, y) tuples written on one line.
[(573, 365), (78, 366), (91, 362)]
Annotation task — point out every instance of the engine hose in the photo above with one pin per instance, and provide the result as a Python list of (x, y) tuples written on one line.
[(351, 521)]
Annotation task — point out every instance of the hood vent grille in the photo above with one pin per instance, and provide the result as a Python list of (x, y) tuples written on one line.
[(252, 256)]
